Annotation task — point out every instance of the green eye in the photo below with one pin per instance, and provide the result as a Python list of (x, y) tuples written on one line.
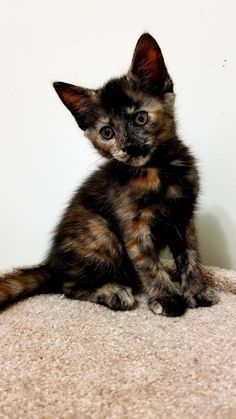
[(140, 118), (107, 133)]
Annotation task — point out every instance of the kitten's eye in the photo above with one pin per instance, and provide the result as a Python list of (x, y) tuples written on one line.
[(107, 133), (140, 118)]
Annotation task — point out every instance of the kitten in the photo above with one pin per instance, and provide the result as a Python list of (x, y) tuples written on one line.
[(106, 249)]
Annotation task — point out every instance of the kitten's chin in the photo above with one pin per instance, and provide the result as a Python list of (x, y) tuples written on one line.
[(136, 161)]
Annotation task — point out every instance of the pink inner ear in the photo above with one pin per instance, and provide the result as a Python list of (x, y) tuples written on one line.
[(75, 102), (151, 64), (75, 98), (78, 100), (148, 62)]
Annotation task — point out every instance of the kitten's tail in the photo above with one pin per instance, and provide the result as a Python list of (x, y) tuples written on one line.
[(24, 282)]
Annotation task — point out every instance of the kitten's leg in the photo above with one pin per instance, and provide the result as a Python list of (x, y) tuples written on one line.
[(93, 265), (183, 245), (163, 296), (112, 295)]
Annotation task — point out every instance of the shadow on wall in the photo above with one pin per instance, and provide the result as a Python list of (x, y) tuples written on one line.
[(213, 229)]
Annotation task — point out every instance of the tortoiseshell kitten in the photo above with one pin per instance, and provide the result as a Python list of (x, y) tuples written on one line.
[(106, 248)]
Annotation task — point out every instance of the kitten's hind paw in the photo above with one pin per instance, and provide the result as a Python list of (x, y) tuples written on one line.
[(116, 297), (206, 298), (171, 306)]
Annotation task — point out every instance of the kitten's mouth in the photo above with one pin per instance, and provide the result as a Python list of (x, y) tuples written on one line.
[(137, 156), (138, 160), (134, 156)]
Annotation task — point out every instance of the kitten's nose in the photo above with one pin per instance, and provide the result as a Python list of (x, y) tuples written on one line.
[(133, 150)]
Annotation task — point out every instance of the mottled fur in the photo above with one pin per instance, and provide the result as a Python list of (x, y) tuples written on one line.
[(107, 246)]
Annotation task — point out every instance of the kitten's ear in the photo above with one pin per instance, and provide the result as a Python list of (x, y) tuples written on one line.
[(78, 100), (148, 66)]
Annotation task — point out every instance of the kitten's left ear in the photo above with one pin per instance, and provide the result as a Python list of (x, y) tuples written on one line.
[(148, 66), (78, 100)]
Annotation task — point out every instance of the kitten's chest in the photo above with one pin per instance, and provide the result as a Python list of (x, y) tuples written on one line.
[(147, 198), (137, 202), (145, 183)]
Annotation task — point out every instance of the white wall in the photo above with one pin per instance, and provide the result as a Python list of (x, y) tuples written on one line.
[(43, 155)]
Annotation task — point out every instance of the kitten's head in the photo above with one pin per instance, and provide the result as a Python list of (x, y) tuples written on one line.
[(128, 117)]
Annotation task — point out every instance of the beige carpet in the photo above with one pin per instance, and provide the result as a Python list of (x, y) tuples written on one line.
[(67, 359)]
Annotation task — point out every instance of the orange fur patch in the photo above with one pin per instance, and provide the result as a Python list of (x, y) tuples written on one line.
[(149, 180), (148, 213), (139, 259)]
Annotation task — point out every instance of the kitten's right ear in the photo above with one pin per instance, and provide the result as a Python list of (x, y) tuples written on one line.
[(78, 100)]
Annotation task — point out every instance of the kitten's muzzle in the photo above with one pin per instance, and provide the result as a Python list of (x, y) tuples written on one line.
[(135, 151)]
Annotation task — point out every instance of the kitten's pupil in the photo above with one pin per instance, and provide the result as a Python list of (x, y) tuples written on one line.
[(140, 118), (107, 133)]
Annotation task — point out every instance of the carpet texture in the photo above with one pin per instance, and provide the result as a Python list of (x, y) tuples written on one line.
[(67, 359)]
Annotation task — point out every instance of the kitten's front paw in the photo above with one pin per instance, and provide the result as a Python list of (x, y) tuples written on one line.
[(172, 306), (206, 298)]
